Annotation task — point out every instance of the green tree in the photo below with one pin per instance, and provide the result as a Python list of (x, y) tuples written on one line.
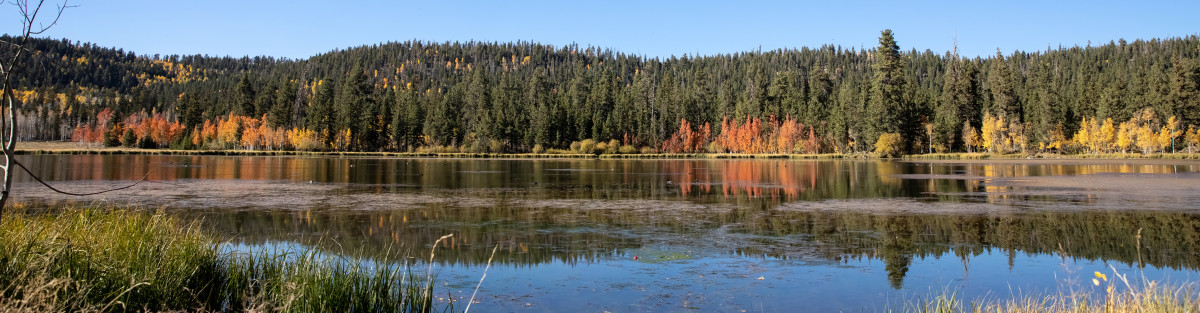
[(244, 97), (266, 99), (320, 117), (888, 111), (958, 97), (443, 125), (820, 98), (1004, 94), (280, 114), (1185, 90), (351, 103)]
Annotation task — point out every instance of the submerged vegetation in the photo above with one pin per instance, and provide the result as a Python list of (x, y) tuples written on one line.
[(90, 259)]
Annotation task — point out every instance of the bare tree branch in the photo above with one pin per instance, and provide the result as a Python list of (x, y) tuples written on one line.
[(39, 179), (8, 110)]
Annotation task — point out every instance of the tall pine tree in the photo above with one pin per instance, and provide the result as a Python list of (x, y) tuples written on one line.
[(887, 110)]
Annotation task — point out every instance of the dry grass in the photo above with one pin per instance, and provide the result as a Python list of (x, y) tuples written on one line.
[(1119, 296)]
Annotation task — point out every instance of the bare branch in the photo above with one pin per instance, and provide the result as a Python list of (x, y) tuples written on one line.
[(39, 179), (61, 9)]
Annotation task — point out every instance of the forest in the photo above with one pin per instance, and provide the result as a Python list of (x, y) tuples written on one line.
[(1128, 97)]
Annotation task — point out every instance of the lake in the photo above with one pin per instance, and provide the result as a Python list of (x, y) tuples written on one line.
[(684, 235)]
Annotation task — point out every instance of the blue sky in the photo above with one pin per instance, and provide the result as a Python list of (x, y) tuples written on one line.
[(302, 28)]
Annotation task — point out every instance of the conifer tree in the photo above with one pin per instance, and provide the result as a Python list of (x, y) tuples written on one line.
[(888, 111), (351, 102), (244, 97)]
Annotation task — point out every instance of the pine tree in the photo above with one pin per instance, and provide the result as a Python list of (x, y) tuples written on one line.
[(443, 125), (351, 102), (280, 114), (888, 111), (1004, 94), (244, 97), (321, 116), (1185, 90)]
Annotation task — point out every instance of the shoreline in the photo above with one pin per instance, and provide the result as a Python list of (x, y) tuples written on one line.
[(68, 148)]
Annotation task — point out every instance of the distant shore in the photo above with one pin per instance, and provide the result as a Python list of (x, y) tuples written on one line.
[(72, 148)]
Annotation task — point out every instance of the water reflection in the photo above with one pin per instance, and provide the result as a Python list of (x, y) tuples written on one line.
[(529, 237), (579, 212)]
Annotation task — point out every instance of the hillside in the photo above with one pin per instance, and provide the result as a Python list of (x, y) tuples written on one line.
[(518, 97)]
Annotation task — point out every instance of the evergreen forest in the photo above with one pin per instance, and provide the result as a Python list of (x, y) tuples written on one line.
[(1128, 97)]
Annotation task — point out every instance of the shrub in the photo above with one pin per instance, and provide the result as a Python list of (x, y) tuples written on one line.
[(627, 149), (714, 147), (601, 147), (889, 145), (587, 146), (495, 146), (538, 149)]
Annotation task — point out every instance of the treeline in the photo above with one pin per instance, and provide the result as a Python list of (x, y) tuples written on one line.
[(520, 97)]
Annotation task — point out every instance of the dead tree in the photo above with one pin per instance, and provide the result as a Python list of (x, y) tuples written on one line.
[(13, 52)]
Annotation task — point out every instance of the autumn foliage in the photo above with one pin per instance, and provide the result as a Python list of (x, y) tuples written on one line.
[(147, 130), (687, 140), (754, 136)]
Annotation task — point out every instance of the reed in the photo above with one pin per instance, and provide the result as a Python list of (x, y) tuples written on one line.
[(1148, 297), (104, 260)]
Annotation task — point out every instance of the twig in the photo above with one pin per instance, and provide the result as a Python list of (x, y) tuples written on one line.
[(485, 270), (429, 274)]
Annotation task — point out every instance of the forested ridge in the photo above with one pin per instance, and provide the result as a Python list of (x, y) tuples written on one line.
[(1140, 96)]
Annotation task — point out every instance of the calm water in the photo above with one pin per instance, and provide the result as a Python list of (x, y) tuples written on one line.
[(683, 235)]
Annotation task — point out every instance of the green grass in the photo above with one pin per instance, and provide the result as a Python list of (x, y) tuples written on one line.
[(103, 260)]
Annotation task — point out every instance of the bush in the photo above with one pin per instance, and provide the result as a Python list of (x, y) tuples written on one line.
[(496, 146), (613, 146), (627, 149), (889, 145), (714, 147), (538, 149), (648, 150), (587, 146)]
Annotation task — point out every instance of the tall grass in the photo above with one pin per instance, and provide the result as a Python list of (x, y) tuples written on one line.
[(1118, 296), (95, 260), (1151, 298)]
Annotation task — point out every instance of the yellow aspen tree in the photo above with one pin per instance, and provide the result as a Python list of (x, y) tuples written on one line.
[(993, 133), (1107, 136), (1057, 138), (1124, 137), (1083, 137), (1193, 137), (1146, 139), (1164, 138), (1172, 130), (970, 137), (1015, 137)]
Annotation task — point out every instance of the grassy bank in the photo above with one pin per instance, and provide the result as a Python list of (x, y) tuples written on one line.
[(1147, 297), (87, 259)]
